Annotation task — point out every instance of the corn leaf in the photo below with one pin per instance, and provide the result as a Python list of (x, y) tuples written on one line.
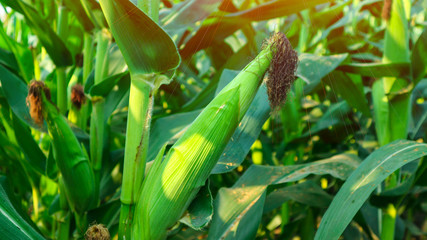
[(363, 181), (54, 46), (15, 91), (7, 58), (29, 147), (232, 203), (146, 47), (307, 193), (200, 210), (378, 70), (13, 222), (78, 10), (312, 68), (17, 58), (184, 16), (105, 86), (331, 118), (117, 96), (419, 58), (349, 89), (222, 26)]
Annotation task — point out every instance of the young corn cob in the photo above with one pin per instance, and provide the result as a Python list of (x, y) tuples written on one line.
[(73, 164), (172, 183)]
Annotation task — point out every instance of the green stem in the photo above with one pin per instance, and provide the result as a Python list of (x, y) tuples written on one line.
[(87, 68), (388, 222), (61, 92), (64, 214), (101, 56), (87, 56), (137, 134), (64, 226), (97, 119), (97, 138), (82, 224)]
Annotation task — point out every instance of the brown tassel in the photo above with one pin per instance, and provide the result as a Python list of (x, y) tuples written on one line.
[(281, 74)]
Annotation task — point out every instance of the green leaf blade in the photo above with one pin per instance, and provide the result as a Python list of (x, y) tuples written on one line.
[(362, 182), (146, 47)]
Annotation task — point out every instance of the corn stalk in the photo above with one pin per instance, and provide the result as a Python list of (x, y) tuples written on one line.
[(152, 58)]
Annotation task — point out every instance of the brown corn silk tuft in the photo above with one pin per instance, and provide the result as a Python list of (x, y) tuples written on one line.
[(34, 100), (78, 97), (386, 13), (281, 73), (97, 232)]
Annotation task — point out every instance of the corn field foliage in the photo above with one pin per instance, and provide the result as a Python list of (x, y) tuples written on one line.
[(213, 119)]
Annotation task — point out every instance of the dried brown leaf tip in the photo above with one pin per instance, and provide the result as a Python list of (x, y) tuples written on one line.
[(97, 232), (34, 99), (386, 13), (281, 74), (78, 97)]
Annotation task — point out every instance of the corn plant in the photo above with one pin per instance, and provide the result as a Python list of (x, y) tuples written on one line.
[(209, 119)]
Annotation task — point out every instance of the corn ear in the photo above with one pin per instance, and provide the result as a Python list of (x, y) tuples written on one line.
[(172, 184), (77, 175)]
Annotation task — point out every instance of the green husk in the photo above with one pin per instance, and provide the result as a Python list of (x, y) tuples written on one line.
[(77, 174), (173, 183)]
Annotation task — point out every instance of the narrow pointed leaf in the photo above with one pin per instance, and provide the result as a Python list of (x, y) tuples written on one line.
[(15, 91), (12, 221), (343, 85), (419, 58), (232, 203), (378, 70), (54, 46), (222, 26), (28, 145), (363, 181)]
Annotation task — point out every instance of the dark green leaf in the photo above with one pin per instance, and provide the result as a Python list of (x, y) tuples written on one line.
[(232, 203), (349, 89), (363, 181), (77, 8), (419, 58), (104, 88), (223, 25), (200, 210), (13, 223), (15, 91), (308, 193), (312, 68), (377, 70), (28, 145), (56, 48)]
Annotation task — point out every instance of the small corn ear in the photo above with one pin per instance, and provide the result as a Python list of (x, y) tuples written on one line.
[(73, 164), (173, 183)]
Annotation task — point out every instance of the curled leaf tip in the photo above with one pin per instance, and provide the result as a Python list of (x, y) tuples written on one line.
[(386, 12), (78, 97), (34, 99), (281, 73), (97, 232)]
